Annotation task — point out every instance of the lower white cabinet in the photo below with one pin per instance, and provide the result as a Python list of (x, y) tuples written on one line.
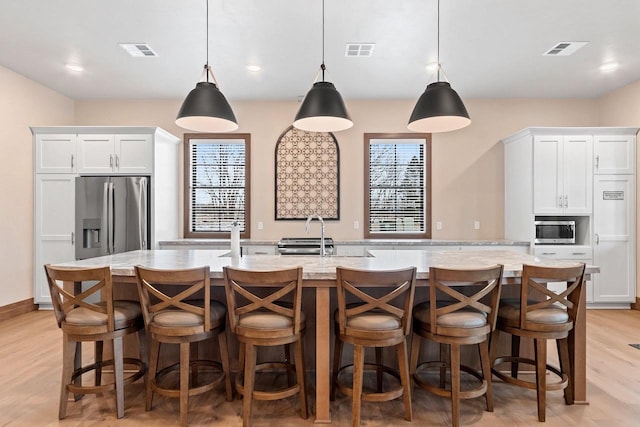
[(54, 227), (614, 238)]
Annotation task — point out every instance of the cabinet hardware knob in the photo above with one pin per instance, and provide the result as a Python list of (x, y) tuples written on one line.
[(117, 162), (73, 238), (597, 161), (110, 161), (72, 156)]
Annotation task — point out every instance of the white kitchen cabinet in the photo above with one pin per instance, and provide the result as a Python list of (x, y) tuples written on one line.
[(562, 174), (614, 154), (55, 153), (115, 154), (54, 227), (572, 253), (614, 239)]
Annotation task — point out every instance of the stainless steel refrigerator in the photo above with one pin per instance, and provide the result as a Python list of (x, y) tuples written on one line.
[(111, 215)]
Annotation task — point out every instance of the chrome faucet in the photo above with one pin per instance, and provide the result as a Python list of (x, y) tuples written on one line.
[(306, 231)]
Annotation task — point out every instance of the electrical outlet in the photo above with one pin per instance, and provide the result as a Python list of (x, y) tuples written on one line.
[(439, 225), (476, 225), (356, 225), (260, 225)]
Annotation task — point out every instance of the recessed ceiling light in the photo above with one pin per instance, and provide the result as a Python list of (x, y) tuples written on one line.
[(254, 68), (74, 67), (609, 67)]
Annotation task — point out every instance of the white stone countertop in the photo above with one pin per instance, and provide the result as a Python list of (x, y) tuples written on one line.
[(316, 267), (365, 242)]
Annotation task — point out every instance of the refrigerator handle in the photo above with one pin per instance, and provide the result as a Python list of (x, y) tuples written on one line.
[(142, 214), (110, 220), (105, 217)]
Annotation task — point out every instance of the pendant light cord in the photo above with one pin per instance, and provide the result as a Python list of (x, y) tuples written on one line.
[(322, 66), (206, 66), (438, 51)]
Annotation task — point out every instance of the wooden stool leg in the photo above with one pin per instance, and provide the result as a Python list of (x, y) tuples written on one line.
[(565, 368), (358, 373), (403, 365), (337, 356), (241, 348), (486, 372), (379, 371), (415, 353), (494, 343), (249, 380), (143, 346), (443, 367), (515, 352), (298, 349), (224, 358), (184, 382), (153, 367), (193, 367), (99, 345), (68, 356), (541, 377), (455, 384), (288, 361), (77, 364), (118, 373)]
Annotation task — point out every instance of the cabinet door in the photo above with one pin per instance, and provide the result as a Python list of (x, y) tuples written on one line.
[(55, 153), (577, 174), (96, 154), (54, 225), (614, 238), (547, 173), (133, 154), (614, 154)]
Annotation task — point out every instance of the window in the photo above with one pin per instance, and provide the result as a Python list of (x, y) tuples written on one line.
[(216, 184), (397, 185)]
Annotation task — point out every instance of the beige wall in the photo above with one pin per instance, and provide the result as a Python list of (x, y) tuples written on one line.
[(467, 164), (23, 103), (622, 108)]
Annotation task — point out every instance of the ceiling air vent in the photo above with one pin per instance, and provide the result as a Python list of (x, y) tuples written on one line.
[(359, 49), (138, 50), (564, 48)]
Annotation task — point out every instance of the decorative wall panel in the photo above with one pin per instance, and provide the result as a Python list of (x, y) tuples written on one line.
[(307, 166)]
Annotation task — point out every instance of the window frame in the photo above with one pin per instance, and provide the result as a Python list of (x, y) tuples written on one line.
[(368, 234), (187, 138)]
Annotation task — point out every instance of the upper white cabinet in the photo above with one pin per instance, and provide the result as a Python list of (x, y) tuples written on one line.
[(115, 154), (614, 154), (562, 174), (55, 153)]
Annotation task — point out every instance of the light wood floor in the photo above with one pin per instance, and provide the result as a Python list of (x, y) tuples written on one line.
[(30, 365)]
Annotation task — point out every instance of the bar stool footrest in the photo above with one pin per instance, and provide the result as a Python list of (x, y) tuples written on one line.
[(94, 389), (384, 396), (559, 385), (439, 391), (269, 395), (193, 391)]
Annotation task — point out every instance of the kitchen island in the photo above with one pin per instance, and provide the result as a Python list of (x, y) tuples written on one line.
[(319, 274)]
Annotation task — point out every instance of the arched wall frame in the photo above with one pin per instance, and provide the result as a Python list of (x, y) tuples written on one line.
[(307, 175)]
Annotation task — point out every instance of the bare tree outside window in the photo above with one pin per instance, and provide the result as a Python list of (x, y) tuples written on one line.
[(398, 196), (216, 184)]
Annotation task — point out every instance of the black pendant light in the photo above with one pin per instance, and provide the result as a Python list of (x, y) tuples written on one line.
[(323, 109), (205, 109), (440, 108)]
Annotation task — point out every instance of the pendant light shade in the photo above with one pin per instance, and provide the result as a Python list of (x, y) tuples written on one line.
[(323, 110), (205, 109), (440, 108)]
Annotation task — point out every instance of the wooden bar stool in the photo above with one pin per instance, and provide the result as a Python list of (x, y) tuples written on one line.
[(186, 320), (462, 310), (82, 319), (541, 314), (265, 321), (371, 321)]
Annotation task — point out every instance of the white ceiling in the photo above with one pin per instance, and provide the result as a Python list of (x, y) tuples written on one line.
[(488, 48)]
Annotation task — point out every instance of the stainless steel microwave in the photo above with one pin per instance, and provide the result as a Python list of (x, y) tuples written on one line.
[(555, 232)]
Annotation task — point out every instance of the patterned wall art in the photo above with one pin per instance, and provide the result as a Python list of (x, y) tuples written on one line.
[(307, 166)]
